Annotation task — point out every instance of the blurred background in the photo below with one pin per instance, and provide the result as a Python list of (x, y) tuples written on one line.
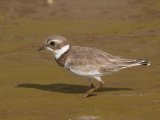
[(34, 87)]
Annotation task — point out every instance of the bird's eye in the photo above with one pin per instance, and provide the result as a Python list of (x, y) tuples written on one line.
[(52, 43)]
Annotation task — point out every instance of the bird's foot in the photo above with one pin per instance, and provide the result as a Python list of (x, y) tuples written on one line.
[(89, 95), (90, 92)]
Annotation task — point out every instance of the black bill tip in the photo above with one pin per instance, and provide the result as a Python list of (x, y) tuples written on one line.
[(42, 48)]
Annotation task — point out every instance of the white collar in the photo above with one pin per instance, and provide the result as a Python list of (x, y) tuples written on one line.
[(58, 53)]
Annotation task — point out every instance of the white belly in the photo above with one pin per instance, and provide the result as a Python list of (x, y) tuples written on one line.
[(85, 73)]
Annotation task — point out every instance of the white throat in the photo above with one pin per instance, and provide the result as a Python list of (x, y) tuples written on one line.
[(58, 53)]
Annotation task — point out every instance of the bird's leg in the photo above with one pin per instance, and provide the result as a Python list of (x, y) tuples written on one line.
[(89, 92), (92, 86), (101, 82), (91, 83)]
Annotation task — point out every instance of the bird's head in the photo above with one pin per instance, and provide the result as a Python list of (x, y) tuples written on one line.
[(56, 44)]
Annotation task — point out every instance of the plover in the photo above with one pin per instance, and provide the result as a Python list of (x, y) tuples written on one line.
[(86, 61)]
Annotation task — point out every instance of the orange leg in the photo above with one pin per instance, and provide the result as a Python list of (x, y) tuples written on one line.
[(90, 92)]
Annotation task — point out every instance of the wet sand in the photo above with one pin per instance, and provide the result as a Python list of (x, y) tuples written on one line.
[(34, 87)]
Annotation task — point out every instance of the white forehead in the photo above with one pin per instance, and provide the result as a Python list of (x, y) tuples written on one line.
[(56, 40)]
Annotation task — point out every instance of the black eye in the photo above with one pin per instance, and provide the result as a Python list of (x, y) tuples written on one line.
[(52, 43)]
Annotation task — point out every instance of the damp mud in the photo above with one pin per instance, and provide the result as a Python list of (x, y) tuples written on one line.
[(34, 87)]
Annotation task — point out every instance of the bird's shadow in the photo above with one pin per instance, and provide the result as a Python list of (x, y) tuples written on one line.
[(67, 88)]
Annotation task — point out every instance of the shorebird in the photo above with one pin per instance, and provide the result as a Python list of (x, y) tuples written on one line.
[(88, 62)]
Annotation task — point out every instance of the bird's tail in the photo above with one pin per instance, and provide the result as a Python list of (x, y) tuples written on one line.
[(144, 62), (125, 63)]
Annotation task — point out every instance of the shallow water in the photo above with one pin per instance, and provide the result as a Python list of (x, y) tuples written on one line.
[(34, 87)]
